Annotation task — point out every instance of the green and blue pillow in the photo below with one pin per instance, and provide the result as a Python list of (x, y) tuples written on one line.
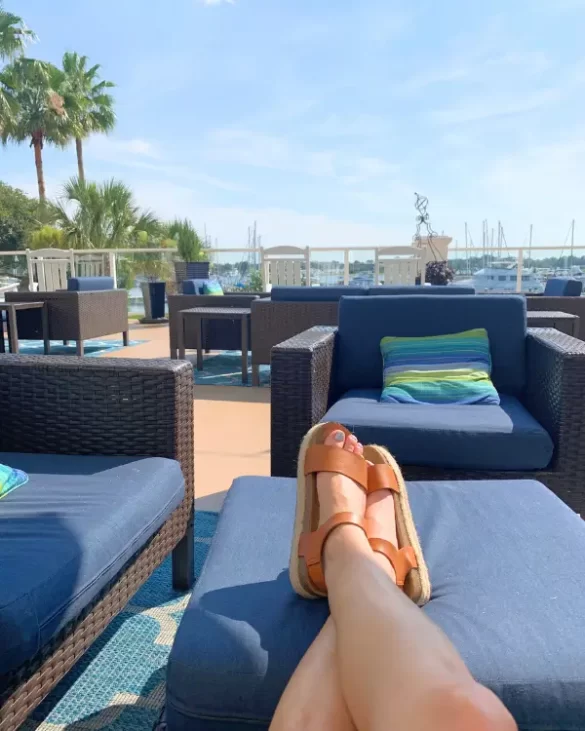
[(10, 479), (439, 369), (212, 287)]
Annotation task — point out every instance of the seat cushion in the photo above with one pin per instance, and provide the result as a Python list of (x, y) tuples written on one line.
[(476, 436), (513, 609), (90, 284), (67, 533), (314, 294), (364, 321)]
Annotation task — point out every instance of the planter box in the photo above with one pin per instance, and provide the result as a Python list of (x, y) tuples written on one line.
[(153, 294)]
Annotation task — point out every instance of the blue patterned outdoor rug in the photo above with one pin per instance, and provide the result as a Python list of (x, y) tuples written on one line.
[(91, 347), (225, 369), (119, 684)]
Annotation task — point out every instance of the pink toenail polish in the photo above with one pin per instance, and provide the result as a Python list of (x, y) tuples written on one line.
[(339, 436), (353, 438)]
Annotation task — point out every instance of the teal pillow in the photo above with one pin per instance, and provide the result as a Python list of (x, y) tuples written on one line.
[(439, 369), (212, 287)]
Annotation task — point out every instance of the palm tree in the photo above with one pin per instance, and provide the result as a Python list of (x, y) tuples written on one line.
[(103, 216), (89, 107), (37, 111), (14, 36)]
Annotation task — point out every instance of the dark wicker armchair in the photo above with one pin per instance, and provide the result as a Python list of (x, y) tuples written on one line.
[(72, 406), (304, 388), (75, 316)]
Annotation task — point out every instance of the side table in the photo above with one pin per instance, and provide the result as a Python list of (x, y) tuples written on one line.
[(199, 314), (11, 308)]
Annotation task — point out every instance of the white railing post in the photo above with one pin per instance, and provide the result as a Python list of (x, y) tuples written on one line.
[(72, 261), (112, 267), (30, 270), (346, 266), (519, 273), (308, 266), (376, 268)]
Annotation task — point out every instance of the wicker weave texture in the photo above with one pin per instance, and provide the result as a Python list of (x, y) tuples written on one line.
[(70, 405), (302, 391), (275, 322), (74, 315)]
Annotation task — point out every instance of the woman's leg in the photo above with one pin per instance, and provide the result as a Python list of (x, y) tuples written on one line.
[(313, 698), (397, 669)]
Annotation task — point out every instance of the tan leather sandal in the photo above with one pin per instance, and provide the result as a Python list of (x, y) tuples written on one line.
[(306, 570), (407, 558)]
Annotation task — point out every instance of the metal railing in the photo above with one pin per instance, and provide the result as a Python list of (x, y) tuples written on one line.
[(326, 265)]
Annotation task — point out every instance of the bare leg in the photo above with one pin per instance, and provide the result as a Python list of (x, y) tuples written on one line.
[(396, 667), (313, 697)]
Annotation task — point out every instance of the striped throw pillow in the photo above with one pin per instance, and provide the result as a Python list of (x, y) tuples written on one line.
[(440, 369)]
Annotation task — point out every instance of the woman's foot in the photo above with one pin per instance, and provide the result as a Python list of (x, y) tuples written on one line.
[(337, 493)]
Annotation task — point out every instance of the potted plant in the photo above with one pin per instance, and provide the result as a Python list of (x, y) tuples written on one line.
[(193, 262), (438, 272)]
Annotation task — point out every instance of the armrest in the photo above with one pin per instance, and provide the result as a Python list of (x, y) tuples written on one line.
[(67, 405), (555, 391), (301, 383)]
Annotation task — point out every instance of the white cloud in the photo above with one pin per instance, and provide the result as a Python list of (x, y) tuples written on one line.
[(218, 2), (245, 147)]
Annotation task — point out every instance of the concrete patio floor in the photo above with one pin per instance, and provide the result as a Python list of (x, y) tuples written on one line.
[(232, 424)]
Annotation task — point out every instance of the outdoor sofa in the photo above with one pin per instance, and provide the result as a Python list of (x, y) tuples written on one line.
[(108, 447)]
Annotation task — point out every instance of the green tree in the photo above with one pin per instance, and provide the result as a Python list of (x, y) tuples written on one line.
[(47, 237), (90, 108), (18, 218), (14, 37), (38, 114), (189, 244), (104, 216)]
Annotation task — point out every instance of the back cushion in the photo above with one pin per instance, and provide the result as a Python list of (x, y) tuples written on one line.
[(89, 284), (364, 321), (418, 289), (193, 286), (558, 287), (314, 294)]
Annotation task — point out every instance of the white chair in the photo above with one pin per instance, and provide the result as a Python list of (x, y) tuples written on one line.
[(48, 269), (282, 265), (399, 265)]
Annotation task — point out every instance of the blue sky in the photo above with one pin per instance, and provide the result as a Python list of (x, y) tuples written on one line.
[(320, 119)]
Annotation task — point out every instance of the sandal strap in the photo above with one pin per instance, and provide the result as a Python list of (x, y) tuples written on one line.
[(382, 477), (324, 458), (311, 545), (403, 560)]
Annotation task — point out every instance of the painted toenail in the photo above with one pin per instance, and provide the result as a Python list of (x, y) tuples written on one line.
[(353, 438), (339, 436)]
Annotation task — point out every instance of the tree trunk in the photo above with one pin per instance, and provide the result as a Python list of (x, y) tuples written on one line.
[(79, 149), (38, 146)]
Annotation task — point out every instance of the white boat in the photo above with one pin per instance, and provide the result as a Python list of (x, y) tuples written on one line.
[(502, 278)]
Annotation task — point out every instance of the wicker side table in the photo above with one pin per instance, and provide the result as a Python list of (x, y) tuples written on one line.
[(199, 314), (11, 308), (562, 321)]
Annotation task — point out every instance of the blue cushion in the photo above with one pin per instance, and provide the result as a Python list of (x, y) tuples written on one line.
[(418, 289), (90, 284), (558, 287), (364, 321), (67, 532), (476, 436), (193, 286), (507, 563), (314, 294)]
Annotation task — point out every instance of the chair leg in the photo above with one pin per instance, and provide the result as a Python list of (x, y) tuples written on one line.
[(125, 337), (255, 375), (79, 349), (66, 342), (184, 560)]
